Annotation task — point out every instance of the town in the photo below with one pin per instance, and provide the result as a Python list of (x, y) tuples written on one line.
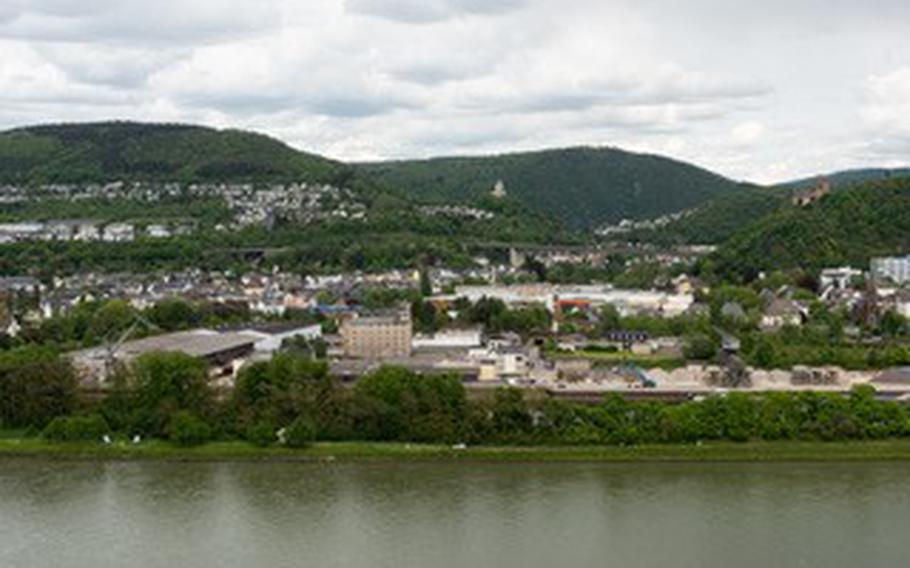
[(578, 342)]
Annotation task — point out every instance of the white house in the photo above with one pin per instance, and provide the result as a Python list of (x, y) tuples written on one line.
[(839, 278), (119, 233), (158, 231), (781, 312)]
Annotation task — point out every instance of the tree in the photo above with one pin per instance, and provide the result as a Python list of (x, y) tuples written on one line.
[(76, 429), (301, 433), (278, 390), (397, 404), (186, 429), (892, 324), (486, 311), (262, 433), (424, 315), (168, 383), (511, 416), (763, 355), (426, 285), (36, 385), (112, 319), (173, 314), (609, 319), (536, 267), (700, 346), (535, 319)]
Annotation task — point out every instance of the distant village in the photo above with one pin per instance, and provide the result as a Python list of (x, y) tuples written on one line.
[(248, 205)]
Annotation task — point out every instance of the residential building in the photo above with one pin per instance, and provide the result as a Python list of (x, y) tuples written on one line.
[(24, 284), (840, 278), (894, 268), (158, 231), (87, 231), (781, 312), (119, 232)]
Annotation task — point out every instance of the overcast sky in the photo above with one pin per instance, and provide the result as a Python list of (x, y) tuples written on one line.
[(764, 91)]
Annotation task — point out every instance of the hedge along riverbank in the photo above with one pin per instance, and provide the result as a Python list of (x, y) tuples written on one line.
[(295, 400)]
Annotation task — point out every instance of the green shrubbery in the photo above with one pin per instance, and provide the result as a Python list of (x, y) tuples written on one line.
[(300, 433), (187, 429), (88, 428), (262, 433), (171, 398)]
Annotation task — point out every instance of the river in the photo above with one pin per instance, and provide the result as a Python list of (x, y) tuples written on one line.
[(434, 515)]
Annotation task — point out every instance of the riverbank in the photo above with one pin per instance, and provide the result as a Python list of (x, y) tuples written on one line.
[(887, 450)]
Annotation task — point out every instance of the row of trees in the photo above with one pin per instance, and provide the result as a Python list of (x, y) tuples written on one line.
[(168, 395)]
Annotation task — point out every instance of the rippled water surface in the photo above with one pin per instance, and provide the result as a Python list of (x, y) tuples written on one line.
[(62, 514)]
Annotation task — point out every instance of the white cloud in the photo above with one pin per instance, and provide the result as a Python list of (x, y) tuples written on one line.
[(888, 101), (886, 115), (756, 92), (427, 11), (136, 21), (747, 133)]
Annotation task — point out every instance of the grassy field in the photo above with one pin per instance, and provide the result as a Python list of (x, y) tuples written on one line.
[(888, 450)]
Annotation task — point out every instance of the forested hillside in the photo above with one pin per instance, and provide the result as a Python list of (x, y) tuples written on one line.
[(584, 187), (847, 178), (848, 226), (720, 218), (724, 216), (164, 152)]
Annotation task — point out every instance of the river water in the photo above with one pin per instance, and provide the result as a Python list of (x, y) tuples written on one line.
[(80, 514)]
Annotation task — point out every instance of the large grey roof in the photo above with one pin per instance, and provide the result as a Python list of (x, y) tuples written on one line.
[(197, 343)]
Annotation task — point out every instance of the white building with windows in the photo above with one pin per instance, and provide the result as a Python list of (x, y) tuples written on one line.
[(119, 233), (840, 278), (894, 268)]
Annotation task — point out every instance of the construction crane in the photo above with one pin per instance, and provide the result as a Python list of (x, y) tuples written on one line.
[(111, 345)]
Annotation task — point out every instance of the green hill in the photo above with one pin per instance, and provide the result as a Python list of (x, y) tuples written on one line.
[(724, 216), (847, 226), (847, 178), (584, 187), (719, 218), (161, 152)]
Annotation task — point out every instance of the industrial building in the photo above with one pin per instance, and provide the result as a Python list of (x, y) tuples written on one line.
[(380, 336), (225, 353)]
